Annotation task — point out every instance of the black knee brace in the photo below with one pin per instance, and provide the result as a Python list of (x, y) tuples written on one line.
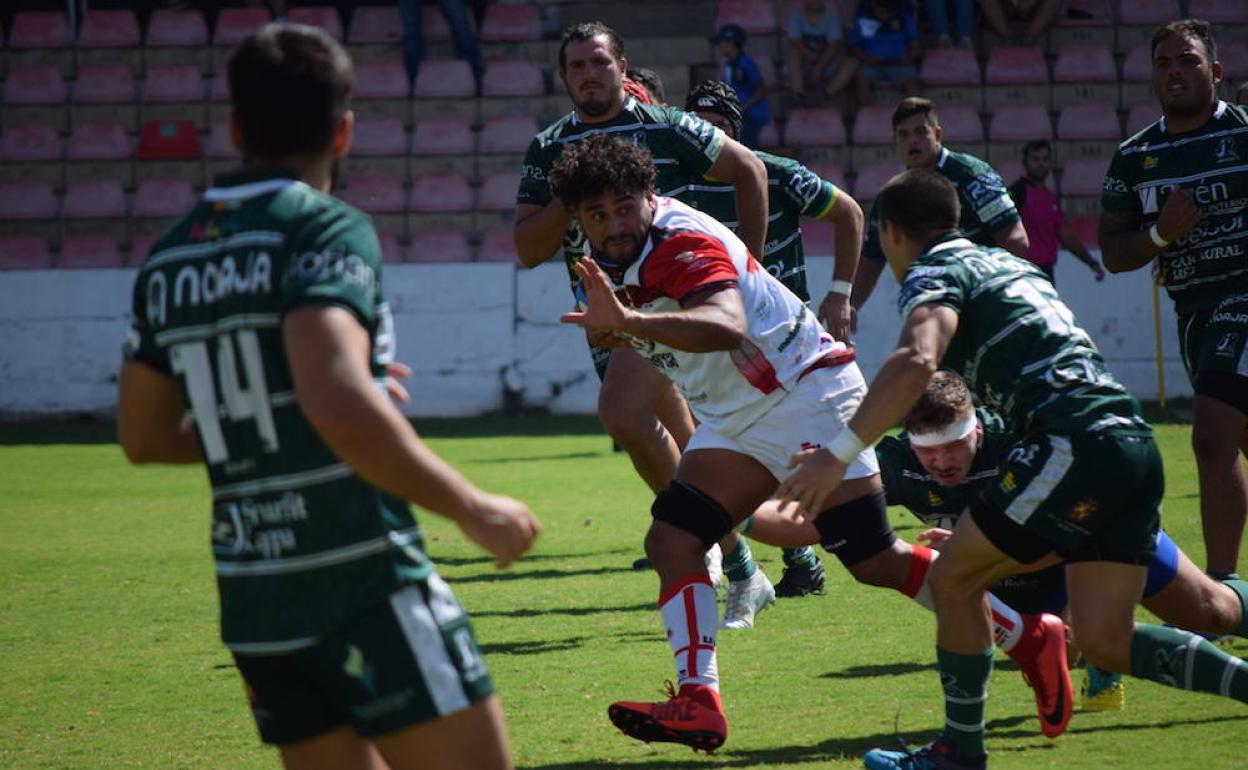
[(856, 530), (692, 510)]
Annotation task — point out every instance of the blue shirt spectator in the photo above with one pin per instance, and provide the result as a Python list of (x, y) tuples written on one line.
[(885, 39), (742, 73)]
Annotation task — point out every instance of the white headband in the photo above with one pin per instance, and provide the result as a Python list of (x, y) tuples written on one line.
[(953, 432)]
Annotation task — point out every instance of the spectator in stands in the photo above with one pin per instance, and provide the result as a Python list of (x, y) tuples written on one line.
[(1241, 93), (463, 38), (885, 39), (963, 17), (742, 73), (1042, 216), (816, 51), (1038, 14), (649, 80)]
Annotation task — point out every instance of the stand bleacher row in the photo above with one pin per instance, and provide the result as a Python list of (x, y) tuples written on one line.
[(106, 137)]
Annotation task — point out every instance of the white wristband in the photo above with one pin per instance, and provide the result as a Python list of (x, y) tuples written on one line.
[(847, 446), (1156, 236), (845, 288)]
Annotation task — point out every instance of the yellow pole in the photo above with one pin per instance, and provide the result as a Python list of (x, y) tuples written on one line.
[(1161, 364)]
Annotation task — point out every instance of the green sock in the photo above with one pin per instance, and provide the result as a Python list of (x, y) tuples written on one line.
[(1181, 659), (965, 681), (800, 557), (739, 565), (745, 526), (1240, 587)]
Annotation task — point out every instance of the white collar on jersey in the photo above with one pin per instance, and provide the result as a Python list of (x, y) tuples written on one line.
[(944, 156), (630, 103), (250, 190), (955, 243), (1219, 109)]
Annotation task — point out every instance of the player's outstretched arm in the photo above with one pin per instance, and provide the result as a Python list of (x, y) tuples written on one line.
[(328, 353), (1013, 238), (152, 422), (835, 310), (539, 231), (740, 167)]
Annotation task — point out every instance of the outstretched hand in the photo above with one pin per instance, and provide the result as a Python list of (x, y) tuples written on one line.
[(812, 485), (603, 313)]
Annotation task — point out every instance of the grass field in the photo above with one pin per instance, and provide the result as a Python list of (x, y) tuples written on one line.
[(109, 655)]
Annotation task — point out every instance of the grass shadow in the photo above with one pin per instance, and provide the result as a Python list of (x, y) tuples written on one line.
[(467, 561), (537, 647), (876, 670), (574, 612), (541, 574)]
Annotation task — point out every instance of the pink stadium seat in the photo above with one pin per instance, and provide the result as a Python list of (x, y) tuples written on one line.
[(219, 91), (27, 200), (381, 80), (444, 78), (40, 84), (442, 193), (874, 125), (29, 142), (1220, 12), (79, 251), (1141, 116), (234, 24), (808, 127), (1086, 13), (818, 238), (109, 29), (950, 67), (325, 17), (497, 245), (1019, 123), (756, 17), (162, 198), (1138, 66), (831, 172), (507, 134), (168, 140), (140, 246), (1016, 66), (871, 178), (511, 22), (435, 25), (961, 123), (443, 136), (167, 29), (1012, 170), (1234, 57), (24, 252), (391, 251), (220, 145), (1084, 64), (1084, 176), (1149, 11), (106, 140), (94, 199), (440, 246), (379, 136), (1090, 120), (40, 29), (498, 191), (173, 83), (104, 84), (769, 136), (375, 24), (376, 193), (512, 77), (767, 68)]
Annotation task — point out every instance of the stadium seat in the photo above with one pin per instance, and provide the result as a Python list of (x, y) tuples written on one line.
[(1084, 176), (441, 192), (173, 92), (832, 172), (379, 136), (506, 23), (219, 152), (444, 78), (1013, 124), (951, 75), (105, 92), (140, 246), (1016, 75), (512, 77), (41, 38), (156, 198), (381, 91), (176, 37), (234, 24), (1220, 11), (375, 193), (818, 239), (769, 137), (756, 17), (439, 246), (1233, 55), (871, 178), (28, 207), (443, 136), (35, 94), (391, 251), (375, 24), (1012, 170), (963, 126), (1152, 12), (437, 29), (325, 17), (94, 199), (497, 245), (508, 134), (168, 140), (1141, 115), (1137, 74), (24, 252), (1085, 22), (106, 140), (814, 127), (1084, 73), (498, 192), (32, 151), (109, 36), (89, 250), (872, 136), (1090, 120)]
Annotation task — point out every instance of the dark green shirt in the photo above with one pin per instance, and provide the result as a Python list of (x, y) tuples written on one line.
[(1210, 262), (986, 204), (301, 543)]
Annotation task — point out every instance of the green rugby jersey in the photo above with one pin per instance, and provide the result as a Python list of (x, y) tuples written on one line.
[(1210, 262), (982, 194), (301, 543), (1017, 345), (683, 145), (793, 191), (907, 483)]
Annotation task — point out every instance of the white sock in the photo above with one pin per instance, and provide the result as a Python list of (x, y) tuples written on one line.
[(1007, 624), (691, 618)]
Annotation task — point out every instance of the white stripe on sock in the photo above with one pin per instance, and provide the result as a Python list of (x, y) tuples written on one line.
[(964, 728), (1189, 662), (1228, 675)]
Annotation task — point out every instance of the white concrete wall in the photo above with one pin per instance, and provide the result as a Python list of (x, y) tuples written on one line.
[(461, 326)]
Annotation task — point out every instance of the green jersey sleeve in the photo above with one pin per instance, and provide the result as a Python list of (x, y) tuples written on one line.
[(891, 452), (1116, 195), (697, 143), (945, 284), (801, 189), (334, 258), (140, 343), (871, 247), (986, 200), (534, 188)]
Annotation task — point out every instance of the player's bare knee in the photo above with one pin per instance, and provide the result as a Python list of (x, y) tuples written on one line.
[(1104, 644), (950, 583), (886, 569)]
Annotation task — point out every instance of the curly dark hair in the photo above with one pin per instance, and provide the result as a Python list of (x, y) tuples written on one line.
[(718, 97), (1196, 29), (599, 164), (946, 400)]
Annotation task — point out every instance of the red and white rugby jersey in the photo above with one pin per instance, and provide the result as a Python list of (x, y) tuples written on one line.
[(689, 252)]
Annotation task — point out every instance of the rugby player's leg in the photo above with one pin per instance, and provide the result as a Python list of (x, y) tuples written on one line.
[(1217, 433), (337, 749), (472, 737), (1191, 599), (628, 401)]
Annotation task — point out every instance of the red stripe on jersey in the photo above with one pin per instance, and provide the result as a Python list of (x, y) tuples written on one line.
[(754, 367), (683, 262)]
